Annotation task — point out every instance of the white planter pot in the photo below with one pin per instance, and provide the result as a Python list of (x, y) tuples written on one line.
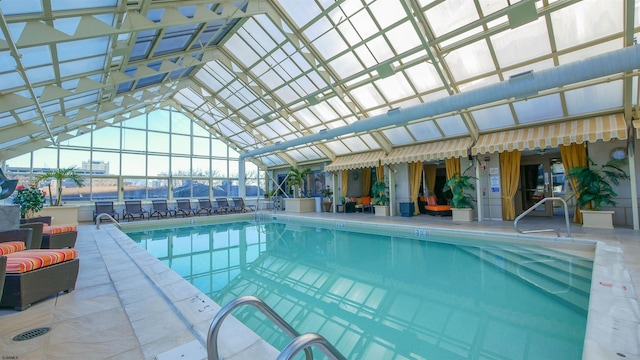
[(601, 219), (300, 205), (462, 214), (61, 215), (381, 210)]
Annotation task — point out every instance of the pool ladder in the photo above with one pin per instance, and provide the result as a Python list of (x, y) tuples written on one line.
[(298, 342), (566, 217)]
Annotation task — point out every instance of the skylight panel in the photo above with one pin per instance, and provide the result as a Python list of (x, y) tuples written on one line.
[(155, 79), (267, 131), (339, 106), (514, 46), (271, 79), (424, 131), (232, 126), (450, 15), (205, 77), (241, 51), (280, 127), (364, 25), (301, 15), (493, 118), (86, 98), (72, 50), (574, 25), (452, 125), (72, 68), (296, 155), (287, 94), (248, 113), (330, 44), (63, 5), (367, 96), (21, 7), (394, 87), (346, 65), (306, 117), (35, 56), (380, 49), (169, 44), (324, 112), (490, 6), (7, 62), (594, 98), (403, 38), (387, 12), (337, 147), (40, 74), (355, 144), (471, 60), (398, 136), (537, 109), (270, 28), (590, 51)]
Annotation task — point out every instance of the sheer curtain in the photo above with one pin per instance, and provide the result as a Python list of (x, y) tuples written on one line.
[(415, 174), (574, 155), (509, 179)]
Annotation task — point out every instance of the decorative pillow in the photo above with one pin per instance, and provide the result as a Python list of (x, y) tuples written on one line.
[(366, 200), (431, 201)]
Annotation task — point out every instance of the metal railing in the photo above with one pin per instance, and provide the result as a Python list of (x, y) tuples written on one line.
[(99, 218), (566, 217), (299, 342)]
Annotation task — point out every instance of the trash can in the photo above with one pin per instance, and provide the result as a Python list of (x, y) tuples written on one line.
[(407, 209)]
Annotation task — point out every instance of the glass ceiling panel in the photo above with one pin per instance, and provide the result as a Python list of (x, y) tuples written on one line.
[(40, 74), (367, 96), (355, 144), (493, 118), (395, 87), (72, 50), (81, 66), (471, 60), (35, 56), (452, 125), (515, 46), (62, 5), (449, 15), (337, 147), (574, 25), (403, 38), (536, 109), (398, 136), (594, 98), (423, 131), (20, 7), (387, 12)]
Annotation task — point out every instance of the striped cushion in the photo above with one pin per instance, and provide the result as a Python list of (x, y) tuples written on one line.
[(28, 260), (11, 247), (57, 229)]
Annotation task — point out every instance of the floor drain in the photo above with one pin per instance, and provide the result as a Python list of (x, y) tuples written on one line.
[(30, 334)]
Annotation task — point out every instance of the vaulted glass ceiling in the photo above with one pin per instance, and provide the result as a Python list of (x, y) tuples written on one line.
[(257, 73)]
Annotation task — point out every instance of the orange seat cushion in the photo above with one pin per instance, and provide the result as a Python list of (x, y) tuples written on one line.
[(438, 207), (11, 247), (57, 229), (27, 260)]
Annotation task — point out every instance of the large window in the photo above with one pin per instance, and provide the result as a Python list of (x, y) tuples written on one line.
[(157, 155)]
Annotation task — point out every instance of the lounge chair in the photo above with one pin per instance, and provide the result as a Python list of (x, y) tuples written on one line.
[(105, 207), (160, 209), (133, 209), (206, 207), (238, 202), (223, 204), (47, 236), (184, 208), (3, 270), (435, 209), (33, 275)]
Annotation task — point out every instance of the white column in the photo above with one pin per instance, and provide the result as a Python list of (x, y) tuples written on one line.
[(242, 190)]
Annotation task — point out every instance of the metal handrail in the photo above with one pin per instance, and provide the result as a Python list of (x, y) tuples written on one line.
[(566, 217), (303, 342), (299, 342), (99, 217)]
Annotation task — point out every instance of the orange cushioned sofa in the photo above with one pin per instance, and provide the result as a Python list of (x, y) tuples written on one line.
[(35, 274), (433, 208)]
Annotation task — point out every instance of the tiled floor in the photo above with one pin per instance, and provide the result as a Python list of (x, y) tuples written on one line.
[(128, 305)]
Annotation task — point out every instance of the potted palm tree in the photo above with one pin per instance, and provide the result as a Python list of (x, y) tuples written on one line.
[(296, 179), (62, 215), (594, 187), (380, 200), (461, 202)]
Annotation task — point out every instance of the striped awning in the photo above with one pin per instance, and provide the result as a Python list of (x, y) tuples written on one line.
[(552, 135), (355, 161), (636, 128), (429, 151)]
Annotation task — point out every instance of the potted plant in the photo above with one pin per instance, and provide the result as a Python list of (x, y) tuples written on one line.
[(594, 188), (61, 215), (326, 203), (380, 200), (296, 178), (461, 202), (31, 200)]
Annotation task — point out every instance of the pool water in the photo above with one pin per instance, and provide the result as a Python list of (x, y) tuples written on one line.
[(382, 297)]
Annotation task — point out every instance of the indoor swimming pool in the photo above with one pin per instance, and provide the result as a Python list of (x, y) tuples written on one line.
[(376, 296)]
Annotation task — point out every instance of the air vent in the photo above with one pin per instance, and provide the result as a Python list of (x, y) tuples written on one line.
[(30, 334)]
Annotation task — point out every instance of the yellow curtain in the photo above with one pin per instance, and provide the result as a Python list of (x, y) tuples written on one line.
[(380, 173), (345, 182), (453, 166), (509, 179), (430, 174), (366, 181), (574, 155), (415, 175)]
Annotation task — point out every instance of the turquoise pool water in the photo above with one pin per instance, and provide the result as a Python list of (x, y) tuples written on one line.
[(382, 297)]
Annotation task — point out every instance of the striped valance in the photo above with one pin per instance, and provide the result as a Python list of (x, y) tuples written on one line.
[(355, 161), (552, 135), (438, 150)]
